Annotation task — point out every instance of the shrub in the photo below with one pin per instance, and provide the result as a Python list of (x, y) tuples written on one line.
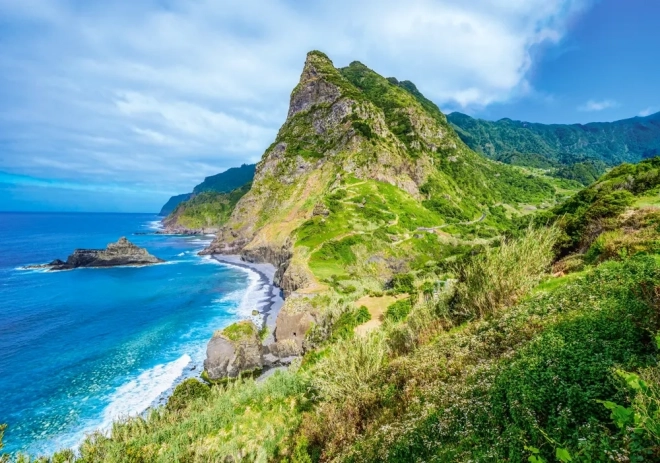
[(403, 283), (345, 325), (362, 315), (349, 365), (399, 310), (186, 392), (500, 276)]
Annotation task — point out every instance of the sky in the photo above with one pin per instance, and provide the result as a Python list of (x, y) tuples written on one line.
[(117, 105)]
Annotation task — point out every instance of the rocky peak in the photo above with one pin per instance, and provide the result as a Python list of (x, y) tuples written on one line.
[(318, 84)]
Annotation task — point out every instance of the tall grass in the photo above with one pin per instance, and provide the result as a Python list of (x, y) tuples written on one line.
[(499, 276), (246, 421), (348, 366)]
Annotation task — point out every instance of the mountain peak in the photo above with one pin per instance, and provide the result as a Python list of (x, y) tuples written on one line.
[(320, 82)]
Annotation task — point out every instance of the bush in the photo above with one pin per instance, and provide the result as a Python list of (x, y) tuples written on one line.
[(345, 325), (186, 392), (399, 310), (403, 283), (349, 365), (500, 276)]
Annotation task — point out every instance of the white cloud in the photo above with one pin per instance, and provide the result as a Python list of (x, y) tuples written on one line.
[(647, 111), (597, 105), (139, 92)]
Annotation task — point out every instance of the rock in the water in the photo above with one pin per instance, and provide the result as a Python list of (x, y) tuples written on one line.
[(236, 349), (123, 252)]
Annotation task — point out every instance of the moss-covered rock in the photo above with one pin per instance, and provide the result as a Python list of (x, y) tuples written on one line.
[(233, 351)]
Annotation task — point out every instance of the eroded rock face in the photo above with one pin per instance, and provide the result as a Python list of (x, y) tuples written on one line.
[(123, 252), (294, 322), (232, 351)]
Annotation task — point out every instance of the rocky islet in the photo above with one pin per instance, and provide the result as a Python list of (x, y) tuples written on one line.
[(121, 253)]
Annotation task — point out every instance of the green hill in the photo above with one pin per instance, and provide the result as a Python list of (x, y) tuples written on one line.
[(365, 164), (227, 181), (628, 140), (445, 306), (224, 182), (205, 211), (172, 203)]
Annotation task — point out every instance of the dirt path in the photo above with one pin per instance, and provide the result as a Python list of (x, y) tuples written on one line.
[(377, 307)]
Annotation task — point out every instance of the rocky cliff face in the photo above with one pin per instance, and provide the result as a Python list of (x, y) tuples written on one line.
[(359, 166), (232, 351), (322, 140)]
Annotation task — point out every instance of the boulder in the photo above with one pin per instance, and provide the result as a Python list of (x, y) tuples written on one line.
[(233, 351), (294, 320)]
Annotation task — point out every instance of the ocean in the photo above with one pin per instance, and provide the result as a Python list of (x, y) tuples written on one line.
[(81, 348)]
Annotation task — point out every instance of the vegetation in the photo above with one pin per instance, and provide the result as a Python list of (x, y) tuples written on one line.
[(206, 209), (464, 309), (629, 140), (229, 180), (224, 182)]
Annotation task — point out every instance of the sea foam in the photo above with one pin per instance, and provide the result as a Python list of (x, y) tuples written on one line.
[(134, 397)]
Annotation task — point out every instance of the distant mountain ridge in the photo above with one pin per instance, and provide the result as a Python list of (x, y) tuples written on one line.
[(627, 140), (224, 182)]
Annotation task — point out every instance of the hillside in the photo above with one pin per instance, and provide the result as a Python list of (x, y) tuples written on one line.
[(442, 306), (172, 203), (224, 182), (204, 212), (628, 140), (364, 165)]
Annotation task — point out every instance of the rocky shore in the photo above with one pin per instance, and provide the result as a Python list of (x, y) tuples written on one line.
[(123, 252), (250, 347)]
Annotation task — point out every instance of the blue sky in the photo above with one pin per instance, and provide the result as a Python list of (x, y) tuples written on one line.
[(116, 105)]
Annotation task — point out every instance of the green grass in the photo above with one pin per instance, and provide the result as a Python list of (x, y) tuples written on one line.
[(240, 331)]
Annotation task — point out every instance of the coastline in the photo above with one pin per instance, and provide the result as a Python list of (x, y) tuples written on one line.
[(270, 307), (267, 307)]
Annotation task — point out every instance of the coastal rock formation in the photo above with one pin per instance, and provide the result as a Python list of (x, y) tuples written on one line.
[(236, 349), (123, 252), (293, 322)]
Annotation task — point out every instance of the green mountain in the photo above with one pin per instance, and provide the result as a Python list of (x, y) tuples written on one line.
[(628, 140), (365, 164), (228, 180), (204, 212), (172, 203), (224, 182), (443, 306)]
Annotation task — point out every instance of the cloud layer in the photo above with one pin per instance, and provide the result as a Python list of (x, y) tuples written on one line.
[(150, 92)]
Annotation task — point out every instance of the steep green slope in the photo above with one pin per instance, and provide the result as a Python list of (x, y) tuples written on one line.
[(205, 211), (352, 126), (172, 203), (628, 140), (224, 182), (618, 213)]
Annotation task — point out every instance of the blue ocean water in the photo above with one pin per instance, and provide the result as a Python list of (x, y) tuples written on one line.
[(80, 348)]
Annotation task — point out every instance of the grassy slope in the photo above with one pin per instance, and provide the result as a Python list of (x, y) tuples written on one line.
[(227, 181), (461, 199), (207, 209)]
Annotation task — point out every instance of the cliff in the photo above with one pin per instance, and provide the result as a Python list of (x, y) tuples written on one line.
[(224, 182), (356, 153)]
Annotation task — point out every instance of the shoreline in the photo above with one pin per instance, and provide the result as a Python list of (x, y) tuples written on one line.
[(267, 307)]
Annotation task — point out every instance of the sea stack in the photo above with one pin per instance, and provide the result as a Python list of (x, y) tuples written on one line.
[(123, 252)]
